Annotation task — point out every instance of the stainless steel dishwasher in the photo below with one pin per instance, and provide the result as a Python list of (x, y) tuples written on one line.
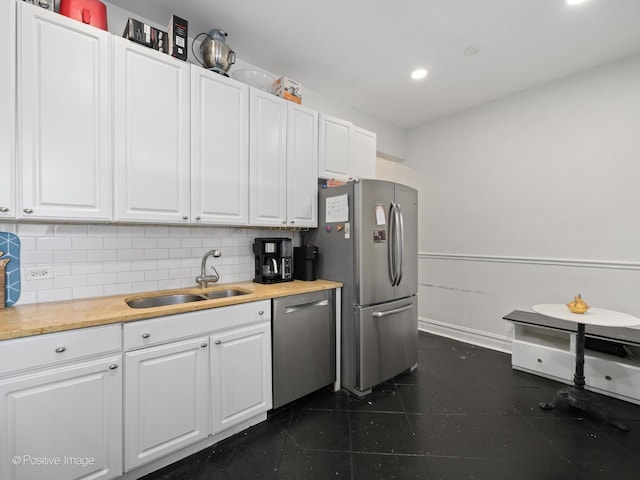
[(304, 344)]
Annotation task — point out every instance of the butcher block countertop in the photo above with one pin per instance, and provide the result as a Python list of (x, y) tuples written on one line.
[(34, 319)]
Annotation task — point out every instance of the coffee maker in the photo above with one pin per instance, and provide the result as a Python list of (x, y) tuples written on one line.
[(274, 260)]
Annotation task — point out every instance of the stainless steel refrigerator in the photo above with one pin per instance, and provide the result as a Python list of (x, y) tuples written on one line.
[(367, 238)]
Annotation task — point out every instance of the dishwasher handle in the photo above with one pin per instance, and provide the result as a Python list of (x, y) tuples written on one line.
[(392, 312), (302, 306)]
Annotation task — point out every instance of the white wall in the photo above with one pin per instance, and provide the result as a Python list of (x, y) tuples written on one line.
[(531, 199)]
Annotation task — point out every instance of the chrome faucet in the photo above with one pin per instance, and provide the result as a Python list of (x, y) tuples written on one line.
[(203, 279)]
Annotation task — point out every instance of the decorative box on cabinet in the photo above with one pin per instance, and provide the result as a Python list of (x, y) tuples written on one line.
[(64, 117), (61, 402), (151, 118), (7, 109), (219, 149)]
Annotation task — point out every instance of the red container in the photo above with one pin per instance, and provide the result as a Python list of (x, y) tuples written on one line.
[(91, 12)]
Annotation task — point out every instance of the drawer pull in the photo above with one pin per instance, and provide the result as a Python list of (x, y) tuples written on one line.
[(539, 360), (4, 209), (113, 366), (204, 345), (27, 210), (218, 342), (146, 335), (261, 312), (61, 349), (608, 377)]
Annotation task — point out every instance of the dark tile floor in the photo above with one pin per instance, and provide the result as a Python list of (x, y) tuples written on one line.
[(463, 414)]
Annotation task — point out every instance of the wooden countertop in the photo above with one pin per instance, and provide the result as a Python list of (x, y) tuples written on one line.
[(34, 319)]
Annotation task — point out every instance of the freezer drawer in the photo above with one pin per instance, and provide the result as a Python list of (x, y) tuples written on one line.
[(387, 341), (304, 345)]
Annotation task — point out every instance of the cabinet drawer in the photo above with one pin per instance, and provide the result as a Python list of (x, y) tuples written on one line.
[(542, 360), (184, 325), (52, 348), (613, 376)]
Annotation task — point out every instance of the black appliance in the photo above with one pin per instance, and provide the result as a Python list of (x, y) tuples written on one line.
[(305, 260), (273, 260)]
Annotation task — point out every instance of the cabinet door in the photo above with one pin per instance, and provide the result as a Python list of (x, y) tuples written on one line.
[(334, 149), (166, 399), (240, 375), (302, 166), (219, 149), (64, 117), (268, 159), (151, 135), (363, 153), (63, 423), (7, 110)]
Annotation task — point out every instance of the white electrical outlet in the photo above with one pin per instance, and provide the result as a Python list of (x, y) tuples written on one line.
[(39, 273)]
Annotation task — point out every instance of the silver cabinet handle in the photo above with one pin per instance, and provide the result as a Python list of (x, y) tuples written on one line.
[(146, 335), (113, 366), (61, 349), (4, 209), (204, 344), (319, 303), (27, 210), (197, 217), (218, 342), (391, 312), (261, 312), (184, 217), (607, 377)]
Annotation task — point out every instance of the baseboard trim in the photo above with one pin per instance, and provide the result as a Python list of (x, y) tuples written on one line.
[(466, 335)]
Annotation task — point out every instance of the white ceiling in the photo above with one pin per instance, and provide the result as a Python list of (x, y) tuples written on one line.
[(361, 52)]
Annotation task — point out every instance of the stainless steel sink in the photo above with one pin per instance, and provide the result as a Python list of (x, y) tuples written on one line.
[(230, 292), (179, 298), (164, 300)]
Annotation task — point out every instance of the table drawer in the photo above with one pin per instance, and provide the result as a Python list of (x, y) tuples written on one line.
[(611, 375), (543, 360), (53, 348)]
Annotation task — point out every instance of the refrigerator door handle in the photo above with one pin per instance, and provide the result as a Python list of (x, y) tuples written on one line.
[(400, 244), (391, 251), (391, 312)]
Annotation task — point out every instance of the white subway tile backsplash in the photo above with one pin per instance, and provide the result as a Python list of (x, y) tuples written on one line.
[(52, 243), (97, 260)]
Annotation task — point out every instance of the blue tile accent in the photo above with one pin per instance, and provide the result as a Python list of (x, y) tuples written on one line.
[(10, 244)]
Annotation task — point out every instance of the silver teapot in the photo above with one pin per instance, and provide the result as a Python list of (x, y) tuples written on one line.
[(216, 54)]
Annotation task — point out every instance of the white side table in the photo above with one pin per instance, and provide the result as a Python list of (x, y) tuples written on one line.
[(576, 396)]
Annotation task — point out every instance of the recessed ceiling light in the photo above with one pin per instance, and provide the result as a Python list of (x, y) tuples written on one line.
[(419, 74), (575, 2)]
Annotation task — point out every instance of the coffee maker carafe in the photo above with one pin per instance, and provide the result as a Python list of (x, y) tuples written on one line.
[(273, 260)]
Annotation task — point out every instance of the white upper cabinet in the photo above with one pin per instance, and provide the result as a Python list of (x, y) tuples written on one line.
[(268, 159), (335, 149), (363, 153), (64, 123), (7, 110), (302, 166), (219, 149), (346, 151), (151, 119)]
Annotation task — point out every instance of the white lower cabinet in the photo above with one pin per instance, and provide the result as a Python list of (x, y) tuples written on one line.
[(240, 375), (166, 399), (187, 372), (63, 418)]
